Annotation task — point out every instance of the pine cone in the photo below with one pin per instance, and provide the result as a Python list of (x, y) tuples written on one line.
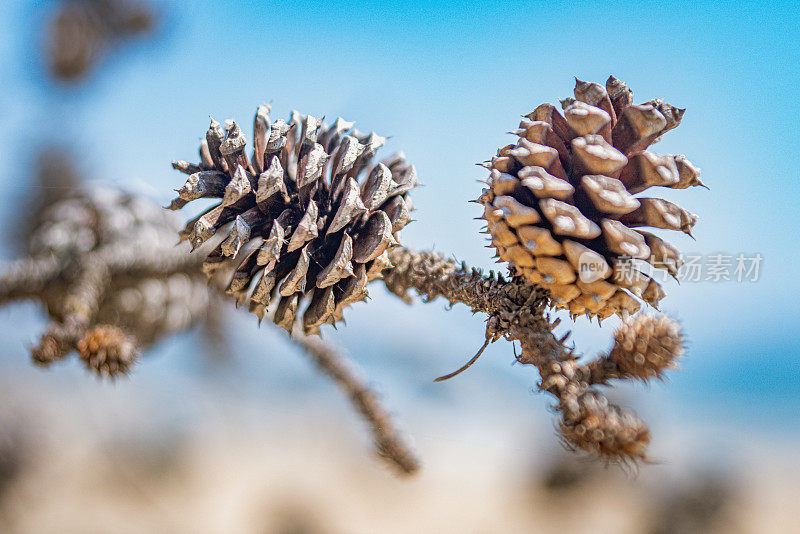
[(90, 219), (593, 424), (560, 205), (647, 346), (300, 221)]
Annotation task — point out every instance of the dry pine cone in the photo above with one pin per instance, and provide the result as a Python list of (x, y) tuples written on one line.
[(645, 346), (145, 304), (300, 222), (591, 423), (560, 205), (148, 307)]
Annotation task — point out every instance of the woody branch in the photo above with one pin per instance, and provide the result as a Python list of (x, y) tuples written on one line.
[(516, 312)]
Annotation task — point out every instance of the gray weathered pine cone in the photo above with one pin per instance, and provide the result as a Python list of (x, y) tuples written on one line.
[(105, 265), (309, 216), (560, 203), (147, 305)]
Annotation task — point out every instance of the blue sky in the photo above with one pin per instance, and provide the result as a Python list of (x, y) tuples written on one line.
[(446, 82)]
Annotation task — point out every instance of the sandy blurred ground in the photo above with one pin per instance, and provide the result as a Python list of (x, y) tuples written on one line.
[(117, 460)]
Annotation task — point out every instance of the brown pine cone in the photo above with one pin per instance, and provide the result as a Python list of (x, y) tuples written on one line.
[(560, 205), (301, 224)]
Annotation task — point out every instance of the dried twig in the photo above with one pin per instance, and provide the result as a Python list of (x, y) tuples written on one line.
[(388, 442), (467, 365)]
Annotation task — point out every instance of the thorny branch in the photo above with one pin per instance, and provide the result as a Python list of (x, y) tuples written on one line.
[(516, 312)]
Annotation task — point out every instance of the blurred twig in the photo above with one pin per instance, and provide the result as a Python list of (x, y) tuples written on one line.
[(388, 441)]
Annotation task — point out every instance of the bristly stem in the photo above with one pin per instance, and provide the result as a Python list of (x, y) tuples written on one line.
[(516, 311)]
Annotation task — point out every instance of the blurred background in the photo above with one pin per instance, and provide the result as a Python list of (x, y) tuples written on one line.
[(244, 436)]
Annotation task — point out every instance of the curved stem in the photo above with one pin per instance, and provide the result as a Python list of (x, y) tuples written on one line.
[(388, 441)]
